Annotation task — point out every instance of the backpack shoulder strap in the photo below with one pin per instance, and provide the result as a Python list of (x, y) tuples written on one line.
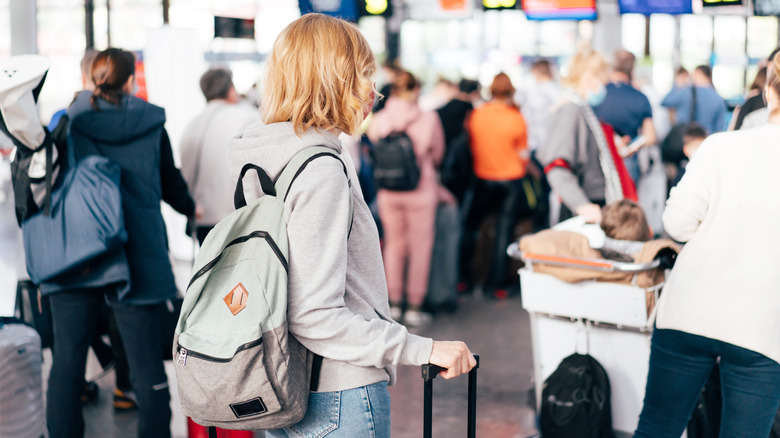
[(299, 162)]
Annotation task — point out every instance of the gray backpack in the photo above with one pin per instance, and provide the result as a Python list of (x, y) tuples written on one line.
[(236, 365)]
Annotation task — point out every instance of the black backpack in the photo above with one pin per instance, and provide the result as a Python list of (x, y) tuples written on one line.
[(395, 164), (672, 145), (457, 171), (26, 187), (576, 400)]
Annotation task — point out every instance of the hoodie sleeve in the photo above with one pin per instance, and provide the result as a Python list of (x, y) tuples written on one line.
[(563, 138), (318, 316), (690, 199), (174, 189)]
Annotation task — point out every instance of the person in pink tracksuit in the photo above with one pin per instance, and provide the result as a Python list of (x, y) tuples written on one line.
[(408, 217)]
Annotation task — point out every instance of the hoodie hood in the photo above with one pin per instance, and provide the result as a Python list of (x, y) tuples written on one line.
[(397, 115), (273, 146), (114, 124)]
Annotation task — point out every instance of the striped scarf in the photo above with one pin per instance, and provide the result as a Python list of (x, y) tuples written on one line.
[(613, 190)]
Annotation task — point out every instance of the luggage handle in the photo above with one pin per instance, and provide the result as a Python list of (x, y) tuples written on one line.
[(429, 372)]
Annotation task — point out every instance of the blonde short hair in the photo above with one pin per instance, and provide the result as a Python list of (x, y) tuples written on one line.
[(586, 60), (319, 74)]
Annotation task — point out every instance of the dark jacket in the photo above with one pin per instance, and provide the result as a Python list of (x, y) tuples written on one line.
[(453, 116), (132, 135)]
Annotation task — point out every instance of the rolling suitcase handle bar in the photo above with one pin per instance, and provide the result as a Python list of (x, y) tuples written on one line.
[(429, 372)]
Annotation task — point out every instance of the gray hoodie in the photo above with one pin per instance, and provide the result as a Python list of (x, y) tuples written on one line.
[(337, 305)]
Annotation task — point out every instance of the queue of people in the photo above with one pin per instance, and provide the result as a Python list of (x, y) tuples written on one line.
[(574, 140), (109, 121)]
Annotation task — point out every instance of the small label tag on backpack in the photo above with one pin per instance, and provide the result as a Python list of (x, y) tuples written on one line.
[(249, 408), (236, 299)]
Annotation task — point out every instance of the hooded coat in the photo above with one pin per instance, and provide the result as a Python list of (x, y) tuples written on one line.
[(337, 293), (132, 134)]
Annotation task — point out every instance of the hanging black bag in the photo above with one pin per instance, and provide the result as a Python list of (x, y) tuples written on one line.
[(576, 400)]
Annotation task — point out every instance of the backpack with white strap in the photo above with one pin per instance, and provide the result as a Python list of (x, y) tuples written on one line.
[(237, 366)]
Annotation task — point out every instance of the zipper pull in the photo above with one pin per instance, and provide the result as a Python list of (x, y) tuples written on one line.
[(182, 360)]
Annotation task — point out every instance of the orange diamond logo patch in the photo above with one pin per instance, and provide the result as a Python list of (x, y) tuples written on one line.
[(236, 299)]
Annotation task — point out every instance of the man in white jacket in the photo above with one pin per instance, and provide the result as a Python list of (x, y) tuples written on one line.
[(203, 147)]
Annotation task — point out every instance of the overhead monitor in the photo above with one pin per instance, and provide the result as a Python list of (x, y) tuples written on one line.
[(710, 3), (647, 7), (766, 7), (346, 9), (500, 4), (560, 9), (229, 27)]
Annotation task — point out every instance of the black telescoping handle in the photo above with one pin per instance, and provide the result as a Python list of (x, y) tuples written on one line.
[(429, 372)]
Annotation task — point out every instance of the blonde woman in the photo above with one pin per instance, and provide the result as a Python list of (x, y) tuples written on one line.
[(319, 84), (579, 154), (721, 303)]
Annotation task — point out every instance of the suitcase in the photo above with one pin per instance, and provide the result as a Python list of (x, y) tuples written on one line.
[(21, 383), (195, 430), (429, 372)]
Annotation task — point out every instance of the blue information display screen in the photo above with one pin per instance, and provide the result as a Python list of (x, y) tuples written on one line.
[(346, 9), (647, 7)]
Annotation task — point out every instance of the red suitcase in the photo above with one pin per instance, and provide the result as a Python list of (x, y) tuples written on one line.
[(195, 430)]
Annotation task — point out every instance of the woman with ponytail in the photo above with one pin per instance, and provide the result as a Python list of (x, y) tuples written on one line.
[(111, 122), (721, 303)]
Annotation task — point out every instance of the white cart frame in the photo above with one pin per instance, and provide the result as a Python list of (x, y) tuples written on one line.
[(610, 318)]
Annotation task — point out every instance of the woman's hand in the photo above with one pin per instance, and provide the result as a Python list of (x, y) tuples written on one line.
[(591, 213), (454, 356)]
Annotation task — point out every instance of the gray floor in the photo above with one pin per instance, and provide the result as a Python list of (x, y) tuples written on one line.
[(498, 331)]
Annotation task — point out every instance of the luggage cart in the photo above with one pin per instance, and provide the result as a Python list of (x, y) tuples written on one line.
[(609, 321)]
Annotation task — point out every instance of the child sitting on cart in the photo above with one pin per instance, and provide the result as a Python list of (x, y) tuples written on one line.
[(623, 230)]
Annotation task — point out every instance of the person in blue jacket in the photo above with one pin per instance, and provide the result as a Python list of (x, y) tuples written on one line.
[(129, 131)]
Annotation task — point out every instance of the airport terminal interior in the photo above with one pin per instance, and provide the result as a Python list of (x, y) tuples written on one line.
[(495, 281)]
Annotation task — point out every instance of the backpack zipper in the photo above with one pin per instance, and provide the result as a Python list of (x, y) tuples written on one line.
[(184, 353), (255, 234)]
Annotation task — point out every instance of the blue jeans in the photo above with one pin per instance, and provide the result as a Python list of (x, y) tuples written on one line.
[(360, 412), (680, 364)]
